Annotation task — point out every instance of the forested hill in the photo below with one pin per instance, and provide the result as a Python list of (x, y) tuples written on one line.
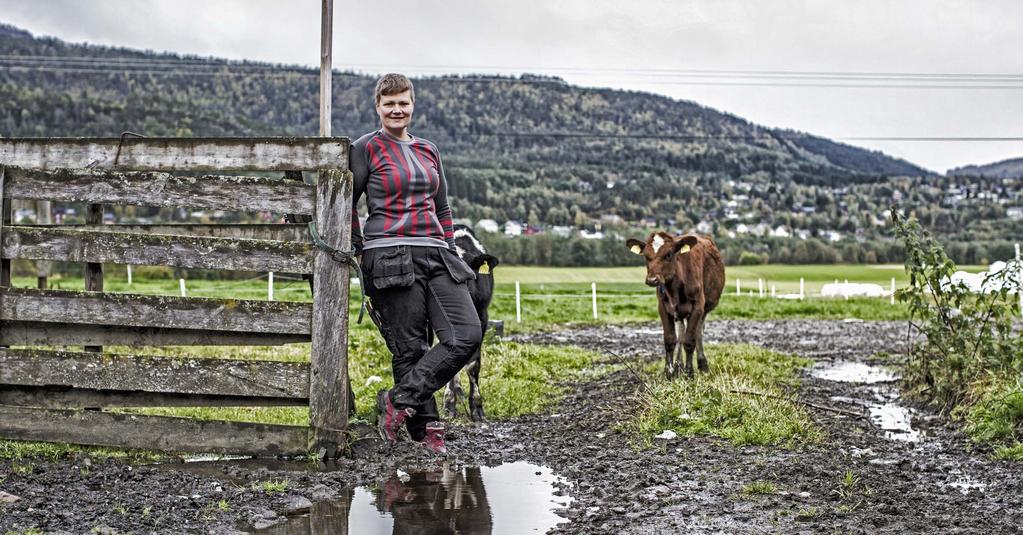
[(516, 148), (1004, 169)]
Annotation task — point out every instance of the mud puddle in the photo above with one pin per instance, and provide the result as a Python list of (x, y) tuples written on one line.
[(509, 498), (876, 392)]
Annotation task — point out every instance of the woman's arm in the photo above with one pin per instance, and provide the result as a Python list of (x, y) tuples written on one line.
[(443, 208), (359, 166)]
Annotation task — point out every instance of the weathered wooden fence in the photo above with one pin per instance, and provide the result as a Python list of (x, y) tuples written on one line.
[(46, 395)]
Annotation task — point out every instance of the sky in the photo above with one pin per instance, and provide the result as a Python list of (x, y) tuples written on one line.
[(735, 56)]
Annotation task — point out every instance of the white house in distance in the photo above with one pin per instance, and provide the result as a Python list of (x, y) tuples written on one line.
[(487, 225), (512, 228)]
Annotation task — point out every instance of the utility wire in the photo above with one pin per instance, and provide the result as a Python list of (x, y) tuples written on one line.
[(715, 73)]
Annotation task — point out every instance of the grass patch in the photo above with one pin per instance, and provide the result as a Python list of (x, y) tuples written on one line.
[(993, 414), (522, 379), (722, 404), (758, 488), (273, 486)]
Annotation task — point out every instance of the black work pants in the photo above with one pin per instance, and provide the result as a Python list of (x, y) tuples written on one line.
[(415, 289)]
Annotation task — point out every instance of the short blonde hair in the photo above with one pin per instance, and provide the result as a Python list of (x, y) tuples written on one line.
[(392, 84)]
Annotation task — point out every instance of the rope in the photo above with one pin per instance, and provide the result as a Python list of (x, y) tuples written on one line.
[(342, 257)]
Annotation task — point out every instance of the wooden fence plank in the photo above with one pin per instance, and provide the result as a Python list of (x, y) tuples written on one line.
[(328, 379), (73, 245), (230, 193), (151, 432), (77, 398), (33, 333), (180, 375), (178, 154), (132, 310), (254, 231)]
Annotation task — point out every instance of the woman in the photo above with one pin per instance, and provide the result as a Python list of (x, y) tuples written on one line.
[(414, 279)]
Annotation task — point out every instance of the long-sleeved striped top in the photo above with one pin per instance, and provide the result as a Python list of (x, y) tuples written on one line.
[(406, 193)]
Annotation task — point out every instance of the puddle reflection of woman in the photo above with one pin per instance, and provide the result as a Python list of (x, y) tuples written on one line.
[(444, 501), (415, 281)]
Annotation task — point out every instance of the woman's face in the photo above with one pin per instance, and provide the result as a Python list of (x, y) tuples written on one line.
[(395, 112)]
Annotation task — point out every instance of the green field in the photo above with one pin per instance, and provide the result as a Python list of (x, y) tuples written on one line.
[(519, 378), (554, 296)]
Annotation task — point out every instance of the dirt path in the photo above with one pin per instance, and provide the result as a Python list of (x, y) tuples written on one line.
[(688, 485)]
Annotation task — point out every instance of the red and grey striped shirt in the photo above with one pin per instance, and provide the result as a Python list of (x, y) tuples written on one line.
[(406, 193)]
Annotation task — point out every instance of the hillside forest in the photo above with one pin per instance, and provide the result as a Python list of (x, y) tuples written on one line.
[(577, 169)]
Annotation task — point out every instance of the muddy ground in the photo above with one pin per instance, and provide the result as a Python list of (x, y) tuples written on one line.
[(686, 485)]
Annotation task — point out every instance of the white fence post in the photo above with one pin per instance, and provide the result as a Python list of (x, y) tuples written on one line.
[(129, 274), (760, 285), (181, 284), (892, 300), (773, 291), (518, 303), (738, 287), (593, 286), (802, 287), (270, 286)]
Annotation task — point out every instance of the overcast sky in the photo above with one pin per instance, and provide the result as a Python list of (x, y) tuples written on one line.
[(607, 43)]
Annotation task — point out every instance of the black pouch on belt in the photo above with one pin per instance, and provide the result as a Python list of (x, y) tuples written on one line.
[(459, 270), (392, 267)]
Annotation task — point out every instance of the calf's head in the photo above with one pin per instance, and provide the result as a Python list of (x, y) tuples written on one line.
[(472, 251), (661, 251)]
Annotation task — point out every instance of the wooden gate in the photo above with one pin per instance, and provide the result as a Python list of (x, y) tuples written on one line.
[(47, 395)]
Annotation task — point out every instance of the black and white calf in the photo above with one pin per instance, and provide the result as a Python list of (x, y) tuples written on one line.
[(481, 290)]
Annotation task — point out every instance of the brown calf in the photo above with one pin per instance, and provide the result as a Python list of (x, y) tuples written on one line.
[(689, 276)]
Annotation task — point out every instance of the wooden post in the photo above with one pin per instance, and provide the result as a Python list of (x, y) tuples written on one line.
[(593, 286), (270, 286), (760, 285), (94, 270), (326, 90), (892, 299), (5, 220), (328, 370), (738, 287), (802, 289), (129, 274), (181, 286), (43, 217)]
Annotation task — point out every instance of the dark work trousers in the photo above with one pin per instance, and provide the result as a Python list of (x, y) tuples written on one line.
[(414, 289)]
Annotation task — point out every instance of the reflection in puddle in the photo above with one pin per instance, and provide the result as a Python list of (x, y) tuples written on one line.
[(880, 400), (965, 484), (852, 372), (511, 498), (895, 421)]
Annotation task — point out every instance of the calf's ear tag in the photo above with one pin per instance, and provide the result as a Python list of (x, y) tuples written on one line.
[(484, 269), (684, 249), (636, 249)]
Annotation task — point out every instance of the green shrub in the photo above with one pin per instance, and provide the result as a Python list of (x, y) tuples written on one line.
[(748, 258)]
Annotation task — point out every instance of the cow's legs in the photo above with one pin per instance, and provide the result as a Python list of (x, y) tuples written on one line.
[(670, 338), (689, 339), (475, 395), (452, 392), (680, 329), (701, 358)]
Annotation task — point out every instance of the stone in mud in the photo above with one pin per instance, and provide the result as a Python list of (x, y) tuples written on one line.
[(297, 503), (8, 498)]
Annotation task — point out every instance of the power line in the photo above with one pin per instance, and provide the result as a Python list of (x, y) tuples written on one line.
[(586, 70), (689, 77), (740, 137)]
